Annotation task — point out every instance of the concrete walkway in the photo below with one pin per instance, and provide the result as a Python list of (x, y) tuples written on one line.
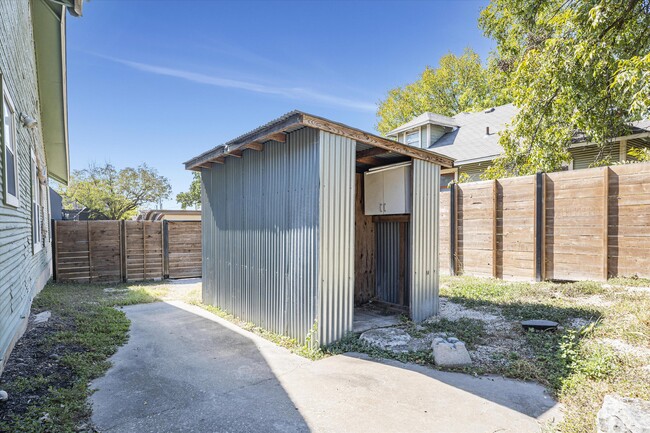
[(186, 370)]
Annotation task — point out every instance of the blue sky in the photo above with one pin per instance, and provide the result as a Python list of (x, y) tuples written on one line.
[(162, 81)]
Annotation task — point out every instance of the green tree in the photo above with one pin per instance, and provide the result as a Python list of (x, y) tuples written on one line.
[(574, 67), (114, 194), (459, 83), (191, 198)]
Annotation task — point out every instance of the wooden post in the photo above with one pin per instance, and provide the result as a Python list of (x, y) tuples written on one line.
[(144, 250), (494, 228), (165, 246), (90, 260), (605, 221), (123, 252), (540, 231), (452, 228), (55, 261)]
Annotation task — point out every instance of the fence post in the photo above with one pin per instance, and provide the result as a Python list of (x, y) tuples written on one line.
[(90, 259), (55, 250), (165, 235), (494, 228), (540, 232), (452, 228), (605, 221), (123, 252)]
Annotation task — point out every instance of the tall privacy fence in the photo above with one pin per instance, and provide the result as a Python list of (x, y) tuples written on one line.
[(572, 225), (112, 251)]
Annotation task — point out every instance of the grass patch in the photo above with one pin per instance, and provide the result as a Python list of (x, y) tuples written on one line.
[(73, 347), (577, 365)]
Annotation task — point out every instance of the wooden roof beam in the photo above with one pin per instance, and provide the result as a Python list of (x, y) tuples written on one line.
[(255, 145), (373, 151), (371, 160), (279, 136)]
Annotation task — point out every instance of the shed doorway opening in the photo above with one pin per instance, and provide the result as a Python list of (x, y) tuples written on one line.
[(382, 239)]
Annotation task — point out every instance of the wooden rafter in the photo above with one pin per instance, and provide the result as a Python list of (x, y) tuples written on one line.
[(277, 131), (373, 151)]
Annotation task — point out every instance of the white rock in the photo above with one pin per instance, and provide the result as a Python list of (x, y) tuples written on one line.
[(42, 317), (623, 415), (3, 396), (450, 353), (392, 339)]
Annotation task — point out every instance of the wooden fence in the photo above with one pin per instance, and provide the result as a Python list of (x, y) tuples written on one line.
[(111, 251), (573, 225)]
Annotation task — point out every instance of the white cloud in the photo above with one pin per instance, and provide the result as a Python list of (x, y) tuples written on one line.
[(288, 92)]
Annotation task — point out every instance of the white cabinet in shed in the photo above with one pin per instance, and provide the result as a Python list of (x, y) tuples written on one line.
[(387, 191)]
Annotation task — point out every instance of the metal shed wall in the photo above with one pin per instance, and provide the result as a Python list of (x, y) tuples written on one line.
[(260, 235), (336, 264), (388, 261), (424, 240)]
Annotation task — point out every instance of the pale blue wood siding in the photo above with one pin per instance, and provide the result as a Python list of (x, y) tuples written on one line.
[(22, 273)]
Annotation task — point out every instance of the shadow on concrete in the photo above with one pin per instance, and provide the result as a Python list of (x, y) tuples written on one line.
[(528, 398), (181, 372)]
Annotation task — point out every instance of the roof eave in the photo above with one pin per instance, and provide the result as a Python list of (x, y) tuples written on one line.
[(49, 21), (264, 134)]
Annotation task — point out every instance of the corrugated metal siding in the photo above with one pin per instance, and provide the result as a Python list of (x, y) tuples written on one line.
[(424, 240), (22, 273), (261, 235), (336, 264), (387, 252), (584, 157)]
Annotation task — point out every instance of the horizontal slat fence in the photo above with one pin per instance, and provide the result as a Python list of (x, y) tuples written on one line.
[(184, 249), (112, 251), (573, 225)]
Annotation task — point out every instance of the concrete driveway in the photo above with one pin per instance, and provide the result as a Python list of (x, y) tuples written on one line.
[(186, 370)]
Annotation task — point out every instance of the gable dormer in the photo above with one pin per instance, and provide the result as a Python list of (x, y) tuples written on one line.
[(424, 130)]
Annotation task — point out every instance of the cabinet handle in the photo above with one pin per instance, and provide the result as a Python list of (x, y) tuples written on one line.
[(380, 207), (384, 207)]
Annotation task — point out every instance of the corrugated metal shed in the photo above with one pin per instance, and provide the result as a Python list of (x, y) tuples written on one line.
[(279, 234)]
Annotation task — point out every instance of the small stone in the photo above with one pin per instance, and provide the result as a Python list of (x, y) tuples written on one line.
[(453, 340), (55, 356), (42, 317), (45, 418), (392, 339), (450, 354), (623, 415), (3, 396)]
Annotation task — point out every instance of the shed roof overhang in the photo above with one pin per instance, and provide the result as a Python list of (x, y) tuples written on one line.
[(49, 23), (276, 130)]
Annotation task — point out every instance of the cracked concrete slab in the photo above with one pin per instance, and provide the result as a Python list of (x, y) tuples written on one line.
[(186, 370)]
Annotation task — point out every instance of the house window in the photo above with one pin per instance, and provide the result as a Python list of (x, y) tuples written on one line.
[(10, 150), (413, 138), (37, 222), (446, 178)]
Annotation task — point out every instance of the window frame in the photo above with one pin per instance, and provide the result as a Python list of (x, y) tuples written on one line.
[(37, 207), (414, 131), (9, 199), (447, 171)]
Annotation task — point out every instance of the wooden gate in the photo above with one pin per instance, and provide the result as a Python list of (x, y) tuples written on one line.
[(183, 249)]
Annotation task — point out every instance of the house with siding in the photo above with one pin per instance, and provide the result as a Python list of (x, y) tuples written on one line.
[(472, 140), (34, 139)]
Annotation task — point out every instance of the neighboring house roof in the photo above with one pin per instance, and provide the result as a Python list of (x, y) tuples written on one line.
[(469, 142), (276, 129), (169, 214), (423, 119)]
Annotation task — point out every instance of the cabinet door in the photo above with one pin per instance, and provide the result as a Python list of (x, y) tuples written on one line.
[(373, 196), (396, 191)]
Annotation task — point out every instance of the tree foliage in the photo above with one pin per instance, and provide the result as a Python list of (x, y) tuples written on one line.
[(114, 194), (574, 68), (192, 197), (459, 83)]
